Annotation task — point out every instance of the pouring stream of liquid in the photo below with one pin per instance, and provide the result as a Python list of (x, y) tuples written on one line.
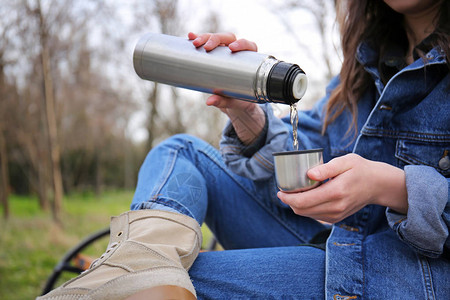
[(294, 123)]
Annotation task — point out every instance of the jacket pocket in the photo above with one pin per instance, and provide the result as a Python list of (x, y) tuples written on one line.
[(433, 154)]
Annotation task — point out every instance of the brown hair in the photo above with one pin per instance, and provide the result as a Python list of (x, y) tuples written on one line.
[(375, 21)]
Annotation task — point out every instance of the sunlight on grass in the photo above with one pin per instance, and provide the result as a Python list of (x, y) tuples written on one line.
[(32, 243)]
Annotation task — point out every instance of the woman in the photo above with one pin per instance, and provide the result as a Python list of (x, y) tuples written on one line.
[(385, 130)]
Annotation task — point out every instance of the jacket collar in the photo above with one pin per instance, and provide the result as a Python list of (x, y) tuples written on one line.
[(367, 53), (392, 60)]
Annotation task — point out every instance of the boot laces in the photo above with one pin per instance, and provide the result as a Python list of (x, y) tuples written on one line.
[(109, 249)]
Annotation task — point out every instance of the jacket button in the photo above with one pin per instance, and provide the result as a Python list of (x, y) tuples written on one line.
[(385, 107), (444, 163)]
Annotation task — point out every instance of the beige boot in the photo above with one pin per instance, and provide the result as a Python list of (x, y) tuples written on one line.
[(148, 256)]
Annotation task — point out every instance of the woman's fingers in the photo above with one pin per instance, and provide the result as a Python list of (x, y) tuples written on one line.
[(192, 36), (333, 168), (209, 41), (227, 103), (303, 202), (243, 44), (329, 202), (347, 192)]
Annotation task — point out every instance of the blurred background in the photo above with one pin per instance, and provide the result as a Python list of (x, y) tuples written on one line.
[(76, 121)]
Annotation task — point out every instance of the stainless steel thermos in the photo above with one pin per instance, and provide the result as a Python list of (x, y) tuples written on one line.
[(245, 75)]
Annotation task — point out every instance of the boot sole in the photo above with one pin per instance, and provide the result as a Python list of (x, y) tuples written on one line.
[(164, 292)]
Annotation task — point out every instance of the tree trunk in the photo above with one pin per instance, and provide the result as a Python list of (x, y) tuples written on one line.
[(151, 128), (42, 187), (177, 124), (51, 122), (128, 167), (4, 193), (98, 174), (4, 174)]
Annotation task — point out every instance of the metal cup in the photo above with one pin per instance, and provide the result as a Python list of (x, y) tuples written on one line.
[(291, 168)]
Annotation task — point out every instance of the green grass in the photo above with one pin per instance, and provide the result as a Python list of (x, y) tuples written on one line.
[(31, 244)]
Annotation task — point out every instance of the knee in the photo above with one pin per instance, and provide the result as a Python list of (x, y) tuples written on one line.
[(181, 140)]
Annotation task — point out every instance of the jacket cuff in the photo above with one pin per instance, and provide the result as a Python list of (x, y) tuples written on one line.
[(424, 228), (255, 161), (248, 150)]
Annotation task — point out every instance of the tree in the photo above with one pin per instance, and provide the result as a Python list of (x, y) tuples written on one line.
[(323, 14), (6, 90), (165, 15), (20, 112), (4, 179), (58, 30), (167, 113), (69, 95), (50, 114), (211, 116)]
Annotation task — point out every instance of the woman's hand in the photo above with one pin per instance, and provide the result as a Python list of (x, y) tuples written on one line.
[(209, 41), (247, 118), (354, 183)]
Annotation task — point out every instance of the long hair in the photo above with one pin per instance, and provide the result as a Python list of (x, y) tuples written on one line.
[(375, 21)]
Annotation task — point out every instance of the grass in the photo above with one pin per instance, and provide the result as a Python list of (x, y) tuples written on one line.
[(31, 244)]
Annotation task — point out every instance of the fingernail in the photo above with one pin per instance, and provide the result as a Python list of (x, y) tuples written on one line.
[(233, 45), (313, 172)]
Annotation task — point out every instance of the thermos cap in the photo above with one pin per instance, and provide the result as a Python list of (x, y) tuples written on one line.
[(300, 85), (286, 82)]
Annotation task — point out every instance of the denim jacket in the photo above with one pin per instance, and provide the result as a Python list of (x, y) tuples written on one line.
[(405, 123)]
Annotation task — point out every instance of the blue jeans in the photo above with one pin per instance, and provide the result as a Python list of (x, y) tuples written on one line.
[(187, 175)]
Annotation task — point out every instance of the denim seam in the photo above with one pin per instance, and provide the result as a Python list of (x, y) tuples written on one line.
[(169, 167), (417, 136), (169, 203), (412, 160), (427, 278)]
